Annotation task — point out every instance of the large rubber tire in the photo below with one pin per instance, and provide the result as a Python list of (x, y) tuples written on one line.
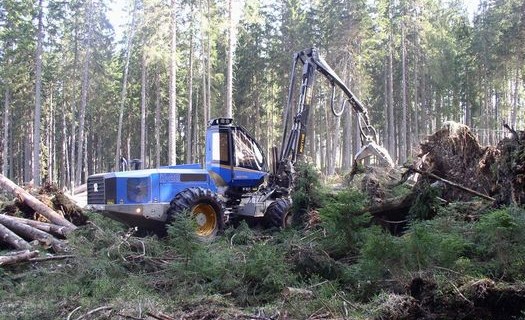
[(204, 206), (278, 214)]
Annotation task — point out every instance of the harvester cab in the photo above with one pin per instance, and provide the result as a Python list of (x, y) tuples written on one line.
[(235, 181), (233, 158)]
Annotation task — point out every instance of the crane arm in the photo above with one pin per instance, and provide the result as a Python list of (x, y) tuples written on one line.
[(293, 143)]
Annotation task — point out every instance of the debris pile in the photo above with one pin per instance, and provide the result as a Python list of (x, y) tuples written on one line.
[(454, 153), (476, 299)]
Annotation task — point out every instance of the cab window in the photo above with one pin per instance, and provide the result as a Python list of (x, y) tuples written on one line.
[(247, 152), (220, 145)]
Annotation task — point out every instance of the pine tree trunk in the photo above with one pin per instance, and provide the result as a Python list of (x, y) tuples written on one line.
[(5, 138), (390, 118), (172, 113), (28, 163), (65, 159), (83, 100), (143, 101), (205, 56), (404, 107), (229, 76), (515, 95), (157, 117), (123, 93), (346, 147), (38, 97), (416, 90), (311, 134), (189, 123)]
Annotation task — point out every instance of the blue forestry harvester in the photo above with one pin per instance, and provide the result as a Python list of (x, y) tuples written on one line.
[(235, 181)]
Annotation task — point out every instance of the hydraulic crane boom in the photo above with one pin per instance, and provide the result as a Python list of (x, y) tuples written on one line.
[(293, 143)]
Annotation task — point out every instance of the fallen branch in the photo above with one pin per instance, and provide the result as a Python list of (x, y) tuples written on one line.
[(159, 316), (33, 233), (453, 184), (60, 257), (94, 311), (13, 239), (17, 257), (34, 203)]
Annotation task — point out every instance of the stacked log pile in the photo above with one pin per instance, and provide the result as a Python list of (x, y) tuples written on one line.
[(42, 226)]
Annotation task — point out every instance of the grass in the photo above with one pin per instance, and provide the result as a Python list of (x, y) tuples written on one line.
[(243, 272), (349, 267)]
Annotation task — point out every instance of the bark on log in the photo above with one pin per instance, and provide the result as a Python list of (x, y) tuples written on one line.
[(81, 188), (32, 233), (297, 292), (43, 226), (17, 257), (13, 239), (34, 203)]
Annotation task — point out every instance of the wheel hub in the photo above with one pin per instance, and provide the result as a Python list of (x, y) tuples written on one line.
[(201, 219), (206, 219)]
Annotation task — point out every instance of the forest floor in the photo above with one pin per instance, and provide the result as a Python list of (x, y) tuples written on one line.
[(383, 246)]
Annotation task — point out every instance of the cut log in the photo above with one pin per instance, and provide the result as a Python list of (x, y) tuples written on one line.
[(81, 188), (17, 257), (297, 292), (32, 233), (34, 203), (43, 226), (13, 239)]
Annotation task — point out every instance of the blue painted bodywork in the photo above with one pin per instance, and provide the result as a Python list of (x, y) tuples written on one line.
[(161, 185)]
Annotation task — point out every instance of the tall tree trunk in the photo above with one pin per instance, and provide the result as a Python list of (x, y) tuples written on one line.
[(143, 77), (311, 134), (335, 144), (229, 75), (189, 123), (28, 163), (51, 141), (390, 106), (515, 95), (404, 107), (65, 153), (416, 89), (83, 101), (5, 138), (157, 117), (123, 93), (346, 152), (38, 96), (172, 113), (205, 57)]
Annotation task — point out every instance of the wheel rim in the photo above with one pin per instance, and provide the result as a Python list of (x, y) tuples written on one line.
[(206, 219)]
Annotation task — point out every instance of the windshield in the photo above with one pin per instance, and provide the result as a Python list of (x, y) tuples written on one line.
[(247, 152)]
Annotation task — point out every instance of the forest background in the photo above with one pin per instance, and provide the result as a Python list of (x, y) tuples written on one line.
[(76, 97)]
